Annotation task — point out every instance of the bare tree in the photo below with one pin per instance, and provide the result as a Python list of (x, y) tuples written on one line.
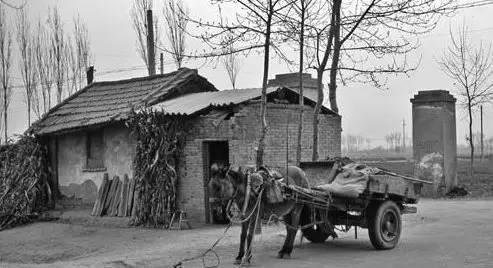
[(232, 65), (138, 15), (82, 51), (175, 14), (379, 31), (73, 73), (256, 25), (389, 139), (25, 41), (5, 64), (10, 5), (471, 69), (44, 59), (58, 47)]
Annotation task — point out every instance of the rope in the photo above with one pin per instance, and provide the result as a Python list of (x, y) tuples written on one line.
[(249, 249), (232, 221), (257, 204), (203, 255), (306, 226)]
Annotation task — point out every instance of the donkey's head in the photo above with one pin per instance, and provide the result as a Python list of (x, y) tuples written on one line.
[(230, 182), (220, 185)]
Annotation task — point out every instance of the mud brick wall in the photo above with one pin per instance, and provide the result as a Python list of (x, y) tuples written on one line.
[(74, 177), (241, 131)]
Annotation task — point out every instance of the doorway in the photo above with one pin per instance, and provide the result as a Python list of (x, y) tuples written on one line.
[(214, 152)]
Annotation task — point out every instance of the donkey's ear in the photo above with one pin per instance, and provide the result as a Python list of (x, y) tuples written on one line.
[(235, 168), (214, 168)]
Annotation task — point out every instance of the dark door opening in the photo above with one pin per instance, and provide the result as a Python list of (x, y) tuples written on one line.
[(214, 152)]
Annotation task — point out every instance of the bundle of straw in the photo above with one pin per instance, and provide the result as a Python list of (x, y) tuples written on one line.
[(160, 140), (24, 187)]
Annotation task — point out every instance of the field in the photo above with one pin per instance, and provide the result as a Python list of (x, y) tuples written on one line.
[(480, 186)]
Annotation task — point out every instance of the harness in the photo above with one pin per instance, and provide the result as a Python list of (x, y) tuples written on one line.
[(250, 189)]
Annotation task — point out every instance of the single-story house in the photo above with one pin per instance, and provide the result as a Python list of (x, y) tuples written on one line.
[(87, 136)]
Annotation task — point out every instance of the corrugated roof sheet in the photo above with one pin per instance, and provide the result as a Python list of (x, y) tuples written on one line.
[(103, 102), (193, 103)]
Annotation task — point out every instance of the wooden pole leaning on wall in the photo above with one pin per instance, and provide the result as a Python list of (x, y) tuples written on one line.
[(102, 193), (122, 208)]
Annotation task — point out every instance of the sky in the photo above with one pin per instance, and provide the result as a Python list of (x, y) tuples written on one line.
[(365, 110)]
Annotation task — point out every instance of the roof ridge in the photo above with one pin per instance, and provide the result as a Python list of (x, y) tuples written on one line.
[(135, 79), (154, 95)]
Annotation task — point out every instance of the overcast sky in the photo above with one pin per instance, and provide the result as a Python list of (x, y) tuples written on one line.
[(365, 110)]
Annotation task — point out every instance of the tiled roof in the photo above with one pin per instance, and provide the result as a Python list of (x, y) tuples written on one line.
[(190, 104), (104, 102)]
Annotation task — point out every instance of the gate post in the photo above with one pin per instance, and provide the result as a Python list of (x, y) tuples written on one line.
[(435, 140)]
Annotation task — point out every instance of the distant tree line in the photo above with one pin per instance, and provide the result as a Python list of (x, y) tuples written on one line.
[(52, 60)]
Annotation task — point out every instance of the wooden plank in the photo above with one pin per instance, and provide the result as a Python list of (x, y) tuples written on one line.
[(122, 208), (386, 184), (134, 206), (116, 199), (131, 189), (108, 198), (111, 195), (99, 199), (105, 197)]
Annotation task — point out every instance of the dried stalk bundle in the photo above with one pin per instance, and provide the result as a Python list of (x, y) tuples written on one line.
[(24, 188), (160, 140)]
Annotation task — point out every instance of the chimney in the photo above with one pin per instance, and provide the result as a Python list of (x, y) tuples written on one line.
[(291, 80), (90, 75), (150, 44)]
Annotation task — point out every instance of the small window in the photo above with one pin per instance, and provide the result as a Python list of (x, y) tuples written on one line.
[(94, 149)]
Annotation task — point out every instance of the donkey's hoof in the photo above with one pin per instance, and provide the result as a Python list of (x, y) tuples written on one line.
[(237, 261), (283, 255), (246, 260)]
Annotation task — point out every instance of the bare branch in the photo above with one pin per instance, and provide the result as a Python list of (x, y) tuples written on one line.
[(175, 15)]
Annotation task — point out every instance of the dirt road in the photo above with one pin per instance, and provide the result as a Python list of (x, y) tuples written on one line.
[(442, 234)]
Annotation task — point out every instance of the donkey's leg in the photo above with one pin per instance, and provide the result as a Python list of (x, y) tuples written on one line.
[(243, 236), (251, 232), (292, 219)]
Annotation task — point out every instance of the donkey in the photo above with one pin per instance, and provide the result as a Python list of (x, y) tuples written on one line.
[(231, 184)]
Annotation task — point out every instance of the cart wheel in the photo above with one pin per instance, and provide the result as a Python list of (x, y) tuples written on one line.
[(314, 234), (384, 225)]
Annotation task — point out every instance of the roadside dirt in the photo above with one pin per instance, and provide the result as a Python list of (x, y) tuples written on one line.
[(443, 233)]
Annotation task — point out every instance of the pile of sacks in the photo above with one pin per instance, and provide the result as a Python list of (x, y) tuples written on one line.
[(349, 180)]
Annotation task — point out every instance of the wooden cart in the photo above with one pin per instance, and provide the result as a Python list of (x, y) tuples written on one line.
[(378, 208)]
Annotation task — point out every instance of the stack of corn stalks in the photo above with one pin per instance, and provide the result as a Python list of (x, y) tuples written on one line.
[(24, 188), (159, 142)]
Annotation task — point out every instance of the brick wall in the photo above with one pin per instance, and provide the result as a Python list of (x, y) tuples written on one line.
[(241, 131)]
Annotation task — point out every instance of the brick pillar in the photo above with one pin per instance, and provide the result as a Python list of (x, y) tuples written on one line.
[(435, 140)]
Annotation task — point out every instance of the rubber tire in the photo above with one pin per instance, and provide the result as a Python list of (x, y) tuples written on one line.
[(314, 236), (375, 229)]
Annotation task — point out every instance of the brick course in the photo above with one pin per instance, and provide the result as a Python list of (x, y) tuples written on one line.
[(241, 132)]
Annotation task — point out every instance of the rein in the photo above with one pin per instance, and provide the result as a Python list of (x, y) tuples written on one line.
[(248, 192)]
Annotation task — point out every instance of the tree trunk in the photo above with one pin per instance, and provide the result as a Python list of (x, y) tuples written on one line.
[(263, 103), (301, 99), (336, 8), (335, 62), (316, 112), (471, 142), (5, 115), (28, 111)]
